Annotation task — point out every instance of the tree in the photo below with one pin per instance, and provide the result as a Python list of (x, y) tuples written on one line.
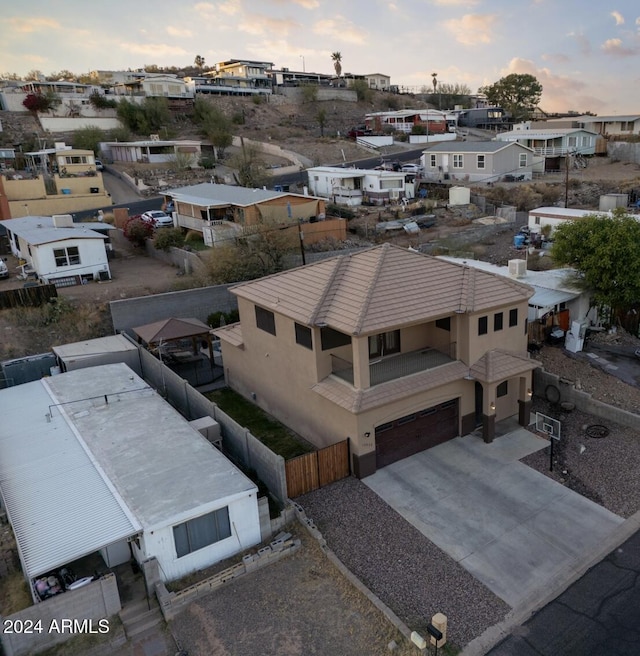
[(518, 93), (336, 57), (137, 231), (100, 101), (454, 94), (89, 138), (321, 116), (34, 75), (199, 61), (434, 80), (214, 125), (309, 92), (606, 252), (363, 92), (41, 102), (260, 254), (251, 169), (64, 74)]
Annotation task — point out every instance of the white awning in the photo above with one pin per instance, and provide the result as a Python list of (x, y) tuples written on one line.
[(549, 298)]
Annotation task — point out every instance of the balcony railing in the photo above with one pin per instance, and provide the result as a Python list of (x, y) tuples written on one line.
[(397, 366)]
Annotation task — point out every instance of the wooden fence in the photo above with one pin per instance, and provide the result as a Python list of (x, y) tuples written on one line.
[(313, 470), (27, 296)]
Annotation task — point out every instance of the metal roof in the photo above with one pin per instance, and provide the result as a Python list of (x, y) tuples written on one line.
[(59, 503), (37, 230), (553, 133), (91, 347), (471, 147), (113, 458), (211, 195), (548, 298)]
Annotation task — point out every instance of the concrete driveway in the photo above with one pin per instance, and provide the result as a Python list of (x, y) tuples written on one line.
[(511, 527)]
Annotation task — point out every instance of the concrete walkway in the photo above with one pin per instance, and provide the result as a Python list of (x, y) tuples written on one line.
[(513, 528)]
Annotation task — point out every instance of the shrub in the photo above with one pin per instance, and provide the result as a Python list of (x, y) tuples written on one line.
[(215, 318), (338, 210), (166, 238), (100, 101), (257, 99), (238, 118), (207, 162), (137, 231)]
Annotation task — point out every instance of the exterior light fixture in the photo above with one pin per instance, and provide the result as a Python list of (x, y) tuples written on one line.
[(529, 393), (492, 406)]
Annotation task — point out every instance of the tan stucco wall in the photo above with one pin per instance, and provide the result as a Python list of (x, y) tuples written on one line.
[(282, 374), (58, 205)]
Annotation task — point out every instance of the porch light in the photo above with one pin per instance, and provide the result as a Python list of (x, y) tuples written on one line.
[(492, 406), (529, 393), (367, 434)]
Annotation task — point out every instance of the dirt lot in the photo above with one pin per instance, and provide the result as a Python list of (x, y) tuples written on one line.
[(300, 605)]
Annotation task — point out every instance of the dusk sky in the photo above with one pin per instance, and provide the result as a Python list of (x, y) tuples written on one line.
[(585, 54)]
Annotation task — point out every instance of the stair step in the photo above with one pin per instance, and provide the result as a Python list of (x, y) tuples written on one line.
[(140, 625), (135, 609)]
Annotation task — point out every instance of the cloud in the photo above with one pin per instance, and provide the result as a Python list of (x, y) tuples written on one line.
[(25, 25), (211, 10), (618, 17), (472, 29), (615, 48), (264, 25), (156, 50), (583, 42), (176, 31), (455, 3), (305, 4), (556, 57), (340, 29)]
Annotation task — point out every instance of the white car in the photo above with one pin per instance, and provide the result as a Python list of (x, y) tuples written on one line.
[(411, 168), (99, 165), (157, 219)]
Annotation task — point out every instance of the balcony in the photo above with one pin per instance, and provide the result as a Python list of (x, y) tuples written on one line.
[(397, 366)]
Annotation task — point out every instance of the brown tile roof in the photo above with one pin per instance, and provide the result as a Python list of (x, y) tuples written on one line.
[(361, 400), (499, 365), (380, 289), (231, 334), (170, 329)]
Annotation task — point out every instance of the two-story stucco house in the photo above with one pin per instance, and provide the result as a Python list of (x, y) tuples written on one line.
[(395, 350)]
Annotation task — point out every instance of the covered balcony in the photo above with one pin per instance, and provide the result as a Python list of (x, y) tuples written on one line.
[(382, 370)]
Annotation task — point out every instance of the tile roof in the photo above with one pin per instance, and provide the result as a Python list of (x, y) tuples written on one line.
[(381, 288), (497, 365), (360, 400), (231, 334)]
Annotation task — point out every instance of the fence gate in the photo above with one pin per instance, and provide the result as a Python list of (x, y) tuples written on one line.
[(317, 469)]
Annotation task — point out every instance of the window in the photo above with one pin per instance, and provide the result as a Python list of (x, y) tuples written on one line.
[(502, 389), (626, 126), (458, 161), (523, 160), (303, 336), (76, 159), (330, 338), (537, 220), (66, 256), (444, 324), (573, 142), (201, 532), (497, 321), (391, 184), (480, 161), (586, 142), (513, 317), (384, 344), (265, 320), (482, 326), (433, 162)]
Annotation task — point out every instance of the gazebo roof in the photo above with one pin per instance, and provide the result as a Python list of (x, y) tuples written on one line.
[(171, 329)]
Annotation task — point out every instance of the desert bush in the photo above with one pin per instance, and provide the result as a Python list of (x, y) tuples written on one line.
[(167, 237), (339, 210), (215, 319), (137, 231)]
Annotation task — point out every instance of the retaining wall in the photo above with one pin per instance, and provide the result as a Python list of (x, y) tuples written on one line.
[(582, 400), (624, 151), (96, 601), (171, 603)]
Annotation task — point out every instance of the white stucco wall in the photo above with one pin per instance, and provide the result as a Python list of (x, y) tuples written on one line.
[(93, 258)]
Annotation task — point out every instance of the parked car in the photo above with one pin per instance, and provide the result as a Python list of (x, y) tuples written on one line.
[(99, 165), (4, 272), (157, 219), (411, 168)]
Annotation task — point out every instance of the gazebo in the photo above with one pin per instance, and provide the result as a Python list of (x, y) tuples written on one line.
[(158, 334)]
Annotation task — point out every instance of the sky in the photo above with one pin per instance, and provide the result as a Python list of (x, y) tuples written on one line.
[(586, 55)]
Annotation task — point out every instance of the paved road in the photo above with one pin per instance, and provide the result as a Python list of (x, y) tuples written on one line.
[(599, 614), (120, 191)]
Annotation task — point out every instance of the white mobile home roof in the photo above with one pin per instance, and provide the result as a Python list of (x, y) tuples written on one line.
[(60, 505), (92, 347)]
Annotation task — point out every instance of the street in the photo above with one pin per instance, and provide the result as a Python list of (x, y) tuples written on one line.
[(598, 614)]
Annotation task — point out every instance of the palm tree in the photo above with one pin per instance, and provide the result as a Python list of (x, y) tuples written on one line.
[(435, 81), (336, 57)]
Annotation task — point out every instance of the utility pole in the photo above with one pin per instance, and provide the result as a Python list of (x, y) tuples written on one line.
[(566, 179), (301, 235)]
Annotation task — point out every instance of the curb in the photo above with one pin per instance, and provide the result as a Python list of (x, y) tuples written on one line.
[(541, 597)]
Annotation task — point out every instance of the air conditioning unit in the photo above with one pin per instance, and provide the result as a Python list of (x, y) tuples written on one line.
[(517, 268)]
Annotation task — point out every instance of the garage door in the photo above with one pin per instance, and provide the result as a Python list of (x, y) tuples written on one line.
[(416, 432)]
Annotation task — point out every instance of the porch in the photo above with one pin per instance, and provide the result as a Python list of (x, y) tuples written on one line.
[(389, 368)]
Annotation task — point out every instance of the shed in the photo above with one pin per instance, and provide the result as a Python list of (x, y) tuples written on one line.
[(94, 352)]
